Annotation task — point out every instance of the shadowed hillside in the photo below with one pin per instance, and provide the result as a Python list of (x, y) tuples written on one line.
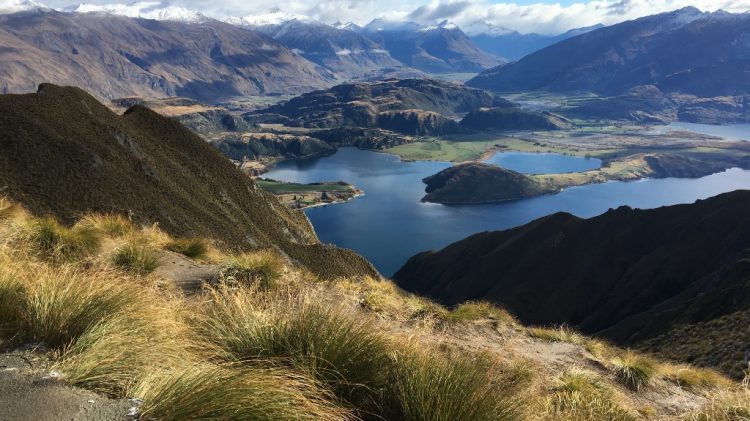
[(64, 153), (627, 275)]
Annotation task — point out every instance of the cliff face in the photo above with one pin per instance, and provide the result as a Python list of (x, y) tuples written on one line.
[(63, 153)]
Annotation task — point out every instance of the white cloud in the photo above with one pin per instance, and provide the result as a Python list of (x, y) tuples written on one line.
[(543, 17)]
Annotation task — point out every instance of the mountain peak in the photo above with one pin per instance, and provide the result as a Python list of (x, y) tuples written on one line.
[(15, 6), (141, 9), (381, 24), (274, 16)]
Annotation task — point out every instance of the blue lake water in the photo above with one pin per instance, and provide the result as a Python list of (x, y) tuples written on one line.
[(543, 163), (739, 131), (389, 224)]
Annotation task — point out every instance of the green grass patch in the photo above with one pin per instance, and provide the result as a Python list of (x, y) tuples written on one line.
[(262, 267), (59, 304), (634, 371), (194, 248), (111, 224), (438, 387), (136, 258), (205, 391), (281, 187), (557, 334), (478, 310), (51, 240), (342, 350), (581, 396)]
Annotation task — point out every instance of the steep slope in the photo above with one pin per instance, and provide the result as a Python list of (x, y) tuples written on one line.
[(64, 153), (687, 51), (347, 53), (115, 56), (627, 275), (439, 49)]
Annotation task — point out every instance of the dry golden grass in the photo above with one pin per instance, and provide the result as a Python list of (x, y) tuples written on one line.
[(582, 396), (273, 342), (263, 267), (557, 334), (724, 406)]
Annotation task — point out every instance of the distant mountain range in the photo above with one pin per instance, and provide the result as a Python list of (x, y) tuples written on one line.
[(116, 56), (687, 51), (353, 50)]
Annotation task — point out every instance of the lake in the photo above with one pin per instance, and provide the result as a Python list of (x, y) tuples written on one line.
[(543, 163), (739, 131), (389, 224)]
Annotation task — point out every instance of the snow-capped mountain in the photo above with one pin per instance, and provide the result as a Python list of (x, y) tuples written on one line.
[(377, 25), (270, 17), (348, 26), (16, 6), (446, 25), (141, 9)]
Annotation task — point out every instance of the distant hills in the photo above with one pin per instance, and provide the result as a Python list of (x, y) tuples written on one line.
[(628, 275), (63, 153), (443, 48), (407, 106), (686, 51), (115, 56)]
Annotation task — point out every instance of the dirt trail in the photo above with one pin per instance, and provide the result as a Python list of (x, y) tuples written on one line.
[(28, 393), (185, 273)]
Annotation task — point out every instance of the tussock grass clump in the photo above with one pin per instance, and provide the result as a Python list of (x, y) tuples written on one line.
[(193, 248), (385, 298), (112, 224), (9, 209), (581, 396), (261, 267), (206, 391), (438, 387), (694, 378), (136, 258), (48, 239), (477, 310), (634, 371), (59, 304), (11, 294), (343, 350), (112, 355), (725, 406), (557, 334)]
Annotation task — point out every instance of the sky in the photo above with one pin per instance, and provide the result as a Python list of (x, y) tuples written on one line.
[(540, 16)]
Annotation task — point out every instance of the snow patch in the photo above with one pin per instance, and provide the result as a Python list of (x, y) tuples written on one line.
[(271, 17), (15, 6), (141, 9)]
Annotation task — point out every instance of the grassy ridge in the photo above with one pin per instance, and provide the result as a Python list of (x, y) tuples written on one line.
[(270, 342)]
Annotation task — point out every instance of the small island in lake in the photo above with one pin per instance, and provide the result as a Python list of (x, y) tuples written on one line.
[(301, 196)]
